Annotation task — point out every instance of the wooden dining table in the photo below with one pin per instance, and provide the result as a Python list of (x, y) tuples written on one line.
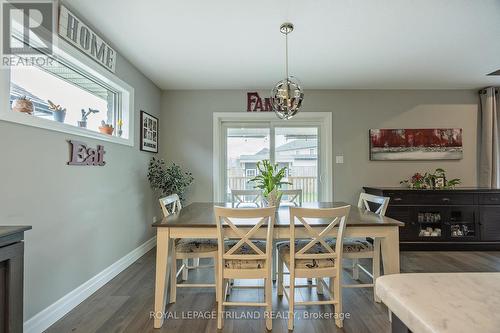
[(197, 220)]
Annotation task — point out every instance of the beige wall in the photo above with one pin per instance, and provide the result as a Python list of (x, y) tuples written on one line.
[(84, 218), (187, 132)]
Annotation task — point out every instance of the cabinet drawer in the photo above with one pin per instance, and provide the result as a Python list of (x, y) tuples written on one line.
[(444, 199), (489, 199)]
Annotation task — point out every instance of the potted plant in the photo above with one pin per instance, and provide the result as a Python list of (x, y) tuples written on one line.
[(436, 180), (270, 180), (58, 112), (106, 128), (168, 179), (22, 104), (85, 114)]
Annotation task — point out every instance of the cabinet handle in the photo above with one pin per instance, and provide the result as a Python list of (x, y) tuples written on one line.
[(398, 199), (445, 199)]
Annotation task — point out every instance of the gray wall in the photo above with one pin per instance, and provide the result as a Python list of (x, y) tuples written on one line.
[(84, 218), (187, 132)]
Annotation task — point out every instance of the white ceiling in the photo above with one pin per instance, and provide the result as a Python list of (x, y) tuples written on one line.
[(337, 44)]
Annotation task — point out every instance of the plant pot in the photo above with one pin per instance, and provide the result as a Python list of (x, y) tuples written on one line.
[(22, 105), (59, 116), (273, 199), (106, 129), (82, 124)]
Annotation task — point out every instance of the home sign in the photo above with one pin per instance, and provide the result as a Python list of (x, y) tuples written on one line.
[(80, 154), (73, 30), (257, 104)]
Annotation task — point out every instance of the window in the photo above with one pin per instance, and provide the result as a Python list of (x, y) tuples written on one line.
[(75, 83), (302, 144)]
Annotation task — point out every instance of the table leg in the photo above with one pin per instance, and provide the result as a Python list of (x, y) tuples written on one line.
[(162, 269), (390, 251)]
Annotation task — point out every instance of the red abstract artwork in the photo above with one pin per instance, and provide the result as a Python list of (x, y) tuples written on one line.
[(416, 144)]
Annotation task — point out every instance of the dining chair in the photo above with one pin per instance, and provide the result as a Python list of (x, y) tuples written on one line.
[(185, 249), (246, 255), (361, 248), (239, 197), (313, 257), (292, 196)]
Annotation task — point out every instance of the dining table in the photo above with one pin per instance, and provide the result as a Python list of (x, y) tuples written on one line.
[(197, 220)]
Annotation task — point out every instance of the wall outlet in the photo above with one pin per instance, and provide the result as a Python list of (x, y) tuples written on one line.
[(339, 159), (155, 219)]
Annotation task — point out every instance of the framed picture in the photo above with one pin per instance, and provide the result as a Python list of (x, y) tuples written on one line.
[(439, 182), (416, 144), (149, 132)]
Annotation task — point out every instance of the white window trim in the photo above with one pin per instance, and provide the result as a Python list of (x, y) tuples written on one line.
[(79, 60), (322, 119)]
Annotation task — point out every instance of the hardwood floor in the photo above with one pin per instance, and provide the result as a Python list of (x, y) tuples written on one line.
[(125, 303)]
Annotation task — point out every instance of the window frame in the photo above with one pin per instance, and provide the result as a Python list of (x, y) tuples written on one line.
[(79, 62), (322, 120)]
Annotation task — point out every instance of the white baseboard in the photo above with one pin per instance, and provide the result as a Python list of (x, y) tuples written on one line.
[(45, 318)]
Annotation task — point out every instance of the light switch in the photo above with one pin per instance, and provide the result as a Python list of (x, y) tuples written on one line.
[(339, 159)]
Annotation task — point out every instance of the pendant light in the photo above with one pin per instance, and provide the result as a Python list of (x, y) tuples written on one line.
[(287, 95)]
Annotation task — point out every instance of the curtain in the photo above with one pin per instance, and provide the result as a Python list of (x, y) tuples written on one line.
[(489, 153)]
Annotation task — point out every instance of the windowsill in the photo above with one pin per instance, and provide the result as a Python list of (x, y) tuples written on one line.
[(34, 121)]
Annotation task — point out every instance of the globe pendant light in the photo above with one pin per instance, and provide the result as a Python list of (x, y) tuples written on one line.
[(287, 95)]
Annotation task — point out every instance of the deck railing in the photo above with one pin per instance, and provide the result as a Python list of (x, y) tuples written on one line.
[(309, 186)]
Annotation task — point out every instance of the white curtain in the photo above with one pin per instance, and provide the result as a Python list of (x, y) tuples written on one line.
[(489, 153)]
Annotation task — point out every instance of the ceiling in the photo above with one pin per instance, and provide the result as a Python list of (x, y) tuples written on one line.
[(337, 44)]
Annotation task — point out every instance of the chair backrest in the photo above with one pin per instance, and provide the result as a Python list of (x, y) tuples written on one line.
[(242, 196), (173, 201), (365, 199), (336, 216), (292, 196), (229, 226)]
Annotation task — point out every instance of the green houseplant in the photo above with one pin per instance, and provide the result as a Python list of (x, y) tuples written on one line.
[(270, 180), (168, 179)]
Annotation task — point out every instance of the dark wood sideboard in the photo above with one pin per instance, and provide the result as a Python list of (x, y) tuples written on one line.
[(11, 278), (458, 219)]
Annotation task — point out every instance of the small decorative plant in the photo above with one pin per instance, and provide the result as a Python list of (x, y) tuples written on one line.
[(58, 112), (168, 179), (436, 180), (119, 123), (85, 115), (270, 180), (22, 104), (106, 128)]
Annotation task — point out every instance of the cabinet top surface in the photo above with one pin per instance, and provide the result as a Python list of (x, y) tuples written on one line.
[(457, 189), (10, 230)]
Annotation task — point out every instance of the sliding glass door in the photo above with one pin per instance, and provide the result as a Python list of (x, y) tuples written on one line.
[(294, 147)]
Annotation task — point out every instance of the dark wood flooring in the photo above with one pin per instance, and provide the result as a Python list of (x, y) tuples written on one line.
[(125, 303)]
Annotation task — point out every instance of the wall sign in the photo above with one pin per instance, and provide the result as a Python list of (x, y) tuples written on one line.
[(256, 104), (73, 30), (149, 132), (80, 154)]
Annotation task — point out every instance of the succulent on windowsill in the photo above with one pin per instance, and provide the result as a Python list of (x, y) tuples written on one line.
[(23, 104)]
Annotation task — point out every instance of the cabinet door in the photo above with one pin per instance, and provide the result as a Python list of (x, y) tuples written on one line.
[(490, 223), (404, 214)]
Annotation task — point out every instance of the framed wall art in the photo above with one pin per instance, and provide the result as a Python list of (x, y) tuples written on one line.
[(416, 144), (149, 132)]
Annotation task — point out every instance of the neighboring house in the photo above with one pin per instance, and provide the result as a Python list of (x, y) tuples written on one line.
[(299, 156)]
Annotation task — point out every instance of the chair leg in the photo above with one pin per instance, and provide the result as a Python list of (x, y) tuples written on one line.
[(291, 301), (337, 295), (355, 269), (280, 275), (185, 271), (269, 302), (376, 265), (319, 286), (222, 296), (274, 261), (173, 279), (217, 282)]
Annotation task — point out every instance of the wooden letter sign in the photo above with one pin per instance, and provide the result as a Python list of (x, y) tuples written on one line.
[(256, 104), (81, 155)]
